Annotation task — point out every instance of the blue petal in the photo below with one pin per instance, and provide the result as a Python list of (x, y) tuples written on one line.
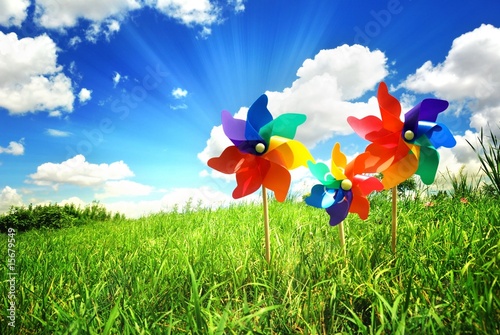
[(258, 116), (315, 199)]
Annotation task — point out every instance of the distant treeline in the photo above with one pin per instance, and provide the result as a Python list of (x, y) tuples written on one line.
[(53, 216)]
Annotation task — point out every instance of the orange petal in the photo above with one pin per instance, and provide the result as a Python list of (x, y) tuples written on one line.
[(400, 171), (278, 180)]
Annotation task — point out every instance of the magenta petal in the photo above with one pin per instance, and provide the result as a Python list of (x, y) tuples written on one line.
[(233, 128)]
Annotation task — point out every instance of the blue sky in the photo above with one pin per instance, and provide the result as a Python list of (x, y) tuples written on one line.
[(119, 101)]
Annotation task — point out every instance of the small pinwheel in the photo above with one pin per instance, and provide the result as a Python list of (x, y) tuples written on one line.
[(343, 187), (400, 149), (263, 151)]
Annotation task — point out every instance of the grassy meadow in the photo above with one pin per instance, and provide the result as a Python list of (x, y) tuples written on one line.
[(203, 272)]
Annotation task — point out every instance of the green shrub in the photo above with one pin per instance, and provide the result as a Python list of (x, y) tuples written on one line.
[(53, 216)]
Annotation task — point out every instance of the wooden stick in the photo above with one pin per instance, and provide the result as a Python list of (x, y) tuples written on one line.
[(394, 217), (266, 224), (342, 238)]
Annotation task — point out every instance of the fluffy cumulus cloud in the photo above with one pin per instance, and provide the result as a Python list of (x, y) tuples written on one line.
[(14, 148), (77, 171), (104, 17), (120, 188), (13, 13), (84, 95), (325, 91), (469, 75), (179, 93), (193, 12), (174, 199), (9, 197), (66, 13), (30, 78)]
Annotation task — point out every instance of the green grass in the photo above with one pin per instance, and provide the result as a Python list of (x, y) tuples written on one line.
[(204, 272)]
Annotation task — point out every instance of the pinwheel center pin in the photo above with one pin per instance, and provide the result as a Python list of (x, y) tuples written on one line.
[(346, 184), (260, 148), (409, 135)]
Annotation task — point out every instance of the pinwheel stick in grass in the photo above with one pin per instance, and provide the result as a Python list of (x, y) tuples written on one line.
[(400, 149), (343, 189), (262, 155)]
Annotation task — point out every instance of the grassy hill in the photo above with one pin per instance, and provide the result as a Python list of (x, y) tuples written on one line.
[(203, 271)]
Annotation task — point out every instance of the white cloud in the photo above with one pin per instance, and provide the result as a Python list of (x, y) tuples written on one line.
[(176, 107), (205, 197), (104, 28), (75, 201), (324, 92), (179, 93), (469, 75), (116, 79), (13, 13), (119, 188), (239, 5), (57, 133), (193, 12), (30, 78), (9, 197), (14, 148), (84, 95), (66, 13), (77, 171)]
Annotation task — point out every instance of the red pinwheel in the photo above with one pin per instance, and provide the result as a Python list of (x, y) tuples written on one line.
[(400, 149), (343, 187), (263, 151)]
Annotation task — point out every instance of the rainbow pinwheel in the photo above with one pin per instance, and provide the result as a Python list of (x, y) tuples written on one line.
[(343, 187), (400, 149), (263, 150)]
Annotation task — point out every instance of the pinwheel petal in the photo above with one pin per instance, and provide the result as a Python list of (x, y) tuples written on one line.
[(368, 127), (361, 206), (235, 131), (338, 212), (390, 109), (442, 137), (323, 174), (284, 125), (290, 153), (367, 184), (277, 179), (339, 162), (250, 176), (229, 161), (258, 115), (400, 171), (315, 199), (428, 164), (430, 108)]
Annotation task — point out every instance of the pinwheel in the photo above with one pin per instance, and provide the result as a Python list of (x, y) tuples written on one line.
[(400, 149), (263, 153), (343, 189)]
